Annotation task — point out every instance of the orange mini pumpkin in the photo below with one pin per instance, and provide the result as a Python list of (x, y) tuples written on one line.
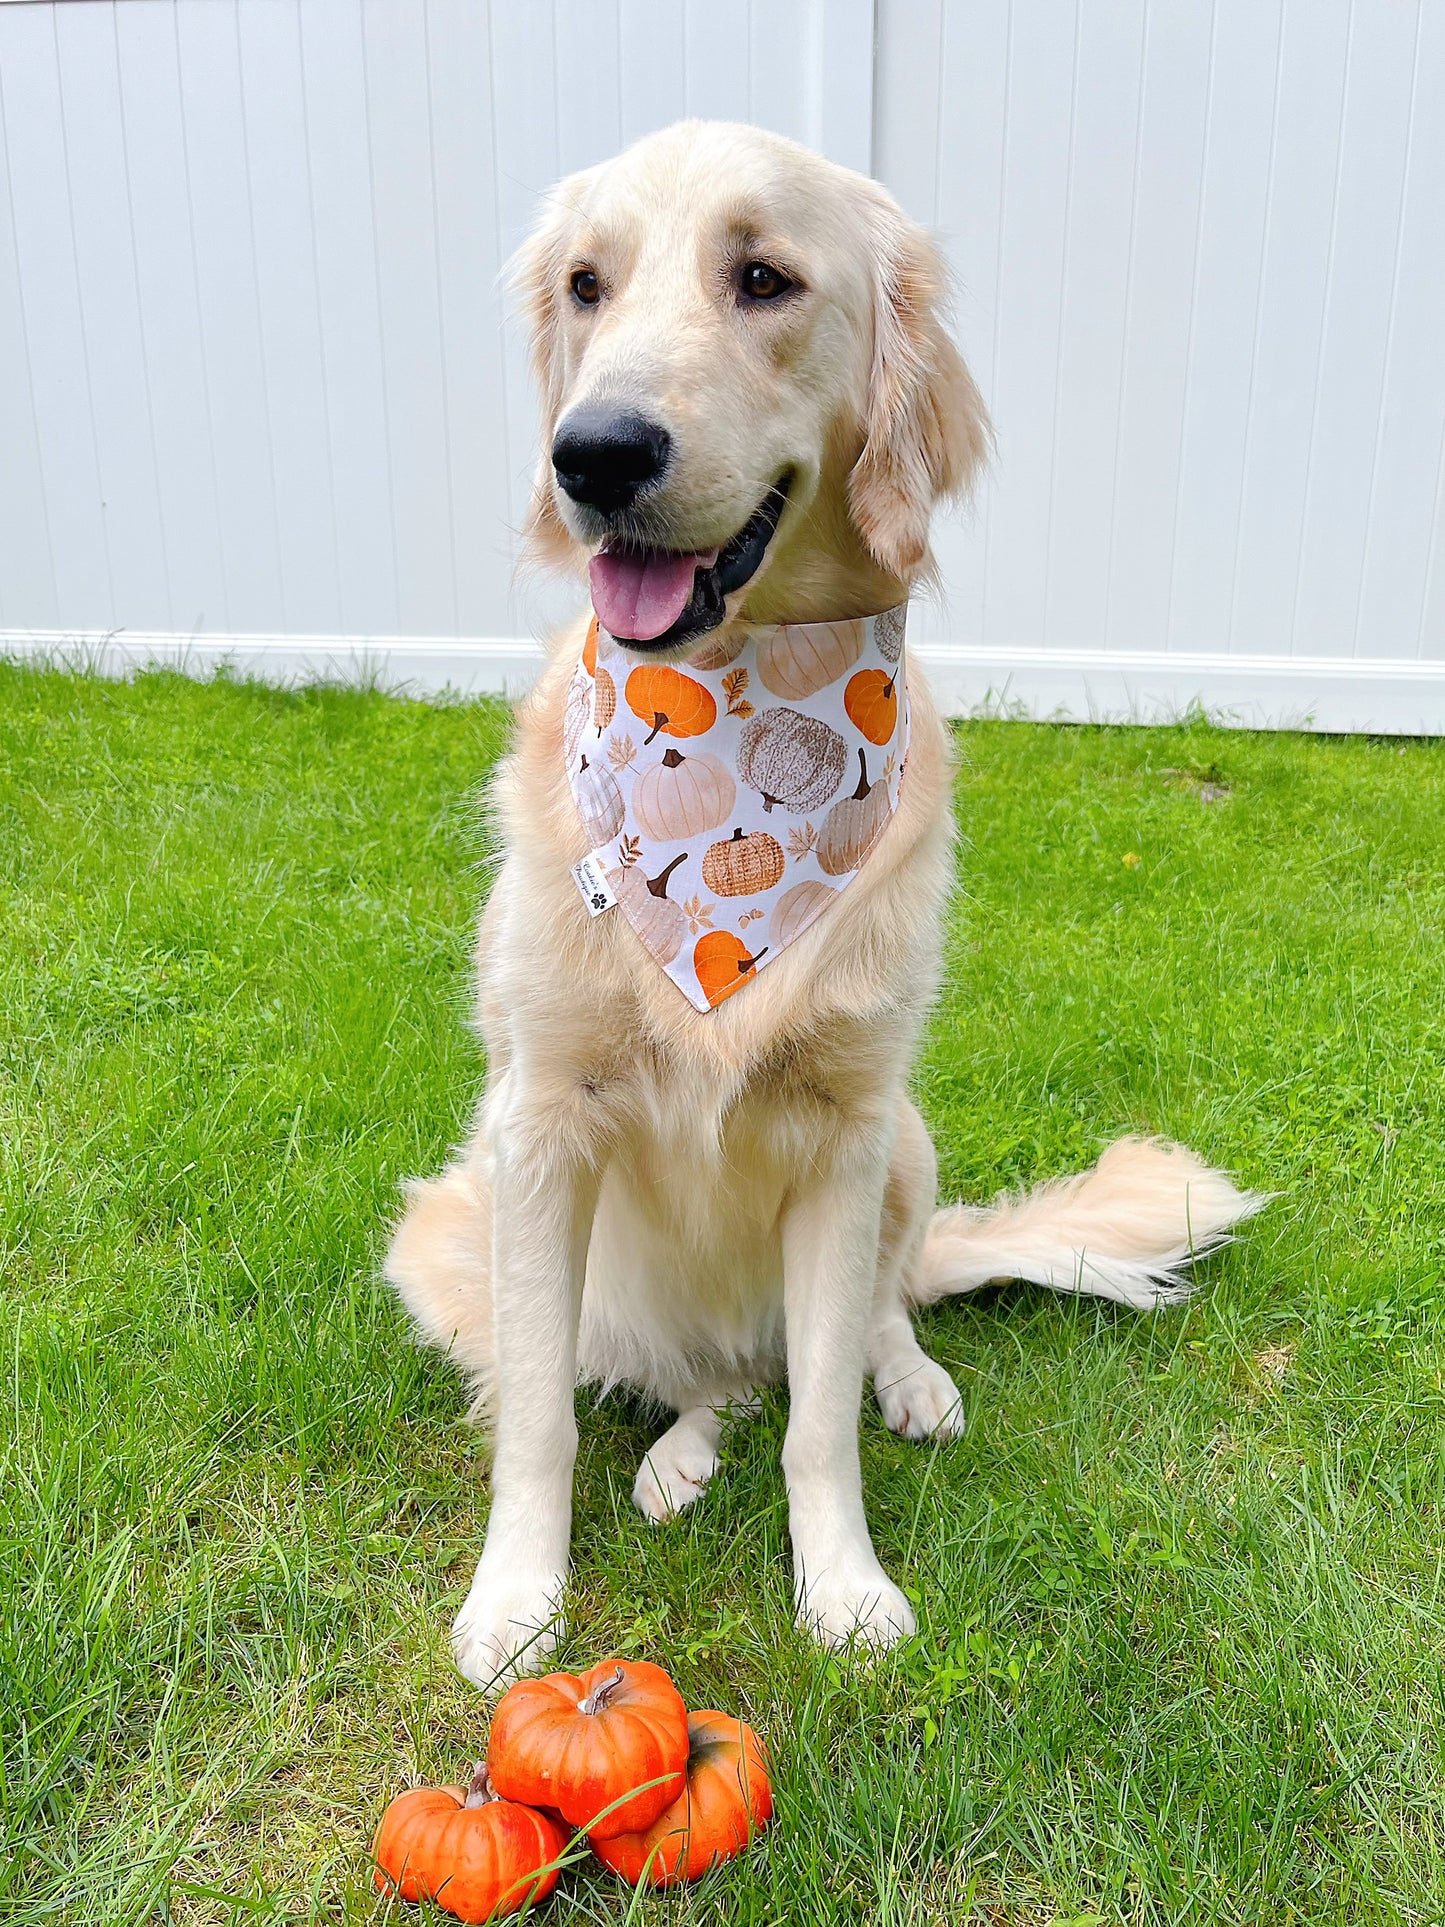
[(723, 964), (728, 1798), (661, 695), (589, 648), (871, 700), (580, 1742), (472, 1852)]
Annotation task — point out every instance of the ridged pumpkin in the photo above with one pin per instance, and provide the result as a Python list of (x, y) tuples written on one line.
[(581, 1742), (888, 633), (682, 796), (723, 964), (797, 908), (472, 1852), (662, 696), (589, 648), (727, 1800), (743, 866), (599, 803), (798, 659), (871, 700), (659, 922), (718, 654), (791, 758), (604, 700), (576, 716), (852, 827)]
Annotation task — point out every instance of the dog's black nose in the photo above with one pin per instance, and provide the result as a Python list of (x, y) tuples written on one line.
[(606, 456)]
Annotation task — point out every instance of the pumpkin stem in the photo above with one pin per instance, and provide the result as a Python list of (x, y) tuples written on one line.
[(659, 721), (863, 784), (672, 760), (583, 764), (737, 835), (597, 1700), (479, 1787), (745, 964), (658, 884), (888, 686)]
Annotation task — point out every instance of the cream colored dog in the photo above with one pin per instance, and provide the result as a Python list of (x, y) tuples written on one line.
[(751, 408)]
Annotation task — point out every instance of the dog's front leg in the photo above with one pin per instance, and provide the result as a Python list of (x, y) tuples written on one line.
[(830, 1262), (544, 1195)]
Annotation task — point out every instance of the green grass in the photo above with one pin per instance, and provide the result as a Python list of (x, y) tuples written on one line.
[(1180, 1586)]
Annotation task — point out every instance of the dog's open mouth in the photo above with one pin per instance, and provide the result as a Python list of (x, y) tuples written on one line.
[(658, 598)]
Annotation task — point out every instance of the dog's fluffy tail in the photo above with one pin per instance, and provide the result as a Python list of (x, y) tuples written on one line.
[(1126, 1230)]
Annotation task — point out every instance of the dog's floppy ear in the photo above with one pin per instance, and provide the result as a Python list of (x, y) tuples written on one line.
[(927, 432), (536, 274)]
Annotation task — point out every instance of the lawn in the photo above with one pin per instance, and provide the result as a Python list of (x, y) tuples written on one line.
[(1180, 1587)]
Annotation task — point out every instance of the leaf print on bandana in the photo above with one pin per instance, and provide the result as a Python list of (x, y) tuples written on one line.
[(734, 684)]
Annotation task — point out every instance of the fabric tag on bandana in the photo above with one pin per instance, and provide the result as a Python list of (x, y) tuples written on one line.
[(729, 799), (590, 876)]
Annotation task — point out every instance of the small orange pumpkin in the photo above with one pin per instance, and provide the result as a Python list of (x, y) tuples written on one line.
[(472, 1852), (742, 866), (581, 1742), (589, 648), (661, 695), (871, 700), (723, 964), (728, 1798)]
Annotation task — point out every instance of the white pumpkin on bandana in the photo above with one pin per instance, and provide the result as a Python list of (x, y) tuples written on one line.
[(730, 800)]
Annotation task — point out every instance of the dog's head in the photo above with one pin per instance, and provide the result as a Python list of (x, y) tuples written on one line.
[(750, 404)]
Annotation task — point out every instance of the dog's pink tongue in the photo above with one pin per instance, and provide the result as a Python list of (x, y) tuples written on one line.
[(639, 593)]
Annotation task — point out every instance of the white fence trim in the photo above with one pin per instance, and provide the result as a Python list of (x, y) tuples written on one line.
[(1382, 697)]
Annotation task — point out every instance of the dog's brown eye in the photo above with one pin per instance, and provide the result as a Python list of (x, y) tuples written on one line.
[(586, 287), (760, 281)]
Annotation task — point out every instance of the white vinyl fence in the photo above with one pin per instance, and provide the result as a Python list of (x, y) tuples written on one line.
[(259, 397)]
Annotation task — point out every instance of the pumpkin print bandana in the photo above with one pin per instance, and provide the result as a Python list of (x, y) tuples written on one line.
[(728, 801)]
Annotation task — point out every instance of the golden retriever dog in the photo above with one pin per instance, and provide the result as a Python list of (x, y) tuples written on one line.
[(751, 407)]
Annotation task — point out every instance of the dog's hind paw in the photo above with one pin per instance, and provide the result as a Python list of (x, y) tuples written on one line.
[(921, 1402), (506, 1628), (674, 1474)]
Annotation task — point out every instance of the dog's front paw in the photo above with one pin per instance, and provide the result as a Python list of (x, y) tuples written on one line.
[(509, 1625), (853, 1604), (921, 1403)]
